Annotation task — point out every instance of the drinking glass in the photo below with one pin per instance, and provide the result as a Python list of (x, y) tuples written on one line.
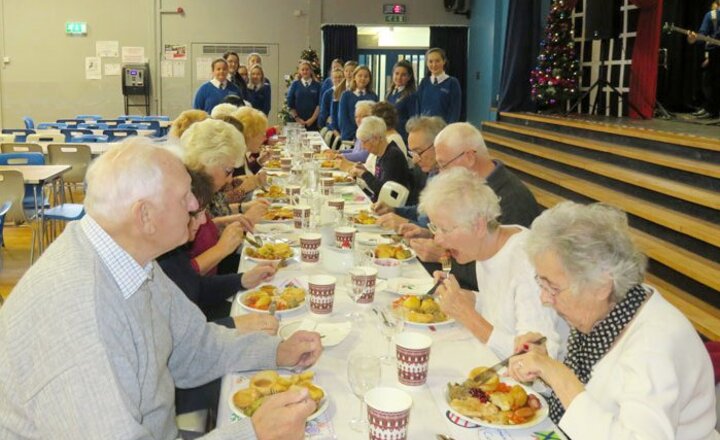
[(390, 321), (355, 292), (363, 375)]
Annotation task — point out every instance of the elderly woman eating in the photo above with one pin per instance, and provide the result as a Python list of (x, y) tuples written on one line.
[(635, 367), (463, 214)]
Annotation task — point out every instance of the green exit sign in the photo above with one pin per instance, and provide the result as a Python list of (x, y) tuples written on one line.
[(76, 28), (395, 18)]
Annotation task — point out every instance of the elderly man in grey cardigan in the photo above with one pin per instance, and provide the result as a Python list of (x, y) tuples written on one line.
[(94, 338)]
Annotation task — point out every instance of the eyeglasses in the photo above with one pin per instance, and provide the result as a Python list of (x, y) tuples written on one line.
[(438, 230), (546, 286), (419, 154), (445, 165)]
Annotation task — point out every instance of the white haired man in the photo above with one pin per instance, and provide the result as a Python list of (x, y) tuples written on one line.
[(95, 337)]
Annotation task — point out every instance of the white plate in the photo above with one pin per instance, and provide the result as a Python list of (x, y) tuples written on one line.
[(331, 333), (432, 324), (264, 260), (287, 220), (273, 228), (372, 239), (281, 285), (539, 416), (412, 255), (410, 286), (322, 406)]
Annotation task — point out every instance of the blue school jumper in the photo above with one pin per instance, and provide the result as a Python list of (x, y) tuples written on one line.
[(261, 98), (442, 99), (406, 109), (325, 103), (346, 112), (208, 96), (326, 85), (303, 99)]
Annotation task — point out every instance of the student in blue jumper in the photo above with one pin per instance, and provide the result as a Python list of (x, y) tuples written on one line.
[(337, 63), (360, 90), (253, 59), (233, 61), (439, 93), (258, 92), (327, 98), (214, 91), (303, 98), (348, 70), (403, 95)]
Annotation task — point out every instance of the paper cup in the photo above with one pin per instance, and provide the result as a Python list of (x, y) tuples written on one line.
[(388, 411), (317, 148), (326, 175), (345, 237), (301, 216), (413, 358), (387, 267), (286, 163), (308, 155), (326, 185), (321, 290), (337, 203), (364, 277), (292, 190), (310, 247)]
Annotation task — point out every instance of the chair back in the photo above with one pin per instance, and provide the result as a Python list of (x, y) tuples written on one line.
[(328, 138), (6, 137), (111, 123), (323, 131), (12, 189), (393, 194), (51, 126), (29, 123), (20, 147), (93, 125), (72, 132), (45, 137), (336, 143), (118, 134), (346, 145), (88, 138), (20, 133), (22, 159), (70, 121), (89, 117), (4, 208), (77, 156)]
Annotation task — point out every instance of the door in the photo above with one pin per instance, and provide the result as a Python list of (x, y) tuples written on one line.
[(381, 62)]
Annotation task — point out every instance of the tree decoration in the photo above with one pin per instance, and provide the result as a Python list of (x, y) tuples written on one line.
[(555, 79)]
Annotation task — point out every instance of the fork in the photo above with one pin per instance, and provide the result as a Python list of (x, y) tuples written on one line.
[(273, 307), (446, 264)]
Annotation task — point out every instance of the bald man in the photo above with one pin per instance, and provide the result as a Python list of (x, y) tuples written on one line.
[(94, 338)]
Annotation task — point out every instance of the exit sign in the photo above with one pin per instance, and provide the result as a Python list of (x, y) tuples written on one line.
[(76, 28), (395, 18), (393, 8)]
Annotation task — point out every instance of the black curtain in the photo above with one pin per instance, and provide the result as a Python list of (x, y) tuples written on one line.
[(680, 79), (339, 41), (454, 41), (522, 47)]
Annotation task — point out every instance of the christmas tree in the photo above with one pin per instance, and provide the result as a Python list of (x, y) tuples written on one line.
[(555, 79), (307, 55)]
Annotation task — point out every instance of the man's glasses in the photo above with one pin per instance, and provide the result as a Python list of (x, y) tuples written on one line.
[(546, 286), (445, 165), (419, 154)]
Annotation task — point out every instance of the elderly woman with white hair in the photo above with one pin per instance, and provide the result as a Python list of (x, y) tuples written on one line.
[(391, 163), (217, 147), (635, 367), (463, 214)]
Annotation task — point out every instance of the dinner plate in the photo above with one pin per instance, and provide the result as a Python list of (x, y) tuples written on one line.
[(410, 286), (372, 239), (541, 415), (331, 334), (431, 324), (265, 260), (280, 285), (244, 384), (273, 228), (404, 260), (284, 220)]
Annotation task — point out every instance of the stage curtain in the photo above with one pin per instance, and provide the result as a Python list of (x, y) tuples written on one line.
[(643, 72), (522, 47), (339, 41), (454, 41)]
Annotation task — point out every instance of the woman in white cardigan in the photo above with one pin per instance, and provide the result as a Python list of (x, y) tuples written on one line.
[(635, 367)]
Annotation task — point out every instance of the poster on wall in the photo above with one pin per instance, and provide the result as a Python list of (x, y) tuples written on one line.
[(176, 52), (93, 68), (166, 70), (178, 69), (203, 68), (133, 55), (107, 49)]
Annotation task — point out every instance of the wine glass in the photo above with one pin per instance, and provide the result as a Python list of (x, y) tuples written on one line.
[(355, 291), (363, 375), (390, 321)]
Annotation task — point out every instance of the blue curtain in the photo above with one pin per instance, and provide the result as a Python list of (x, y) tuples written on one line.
[(339, 41), (454, 41), (522, 47)]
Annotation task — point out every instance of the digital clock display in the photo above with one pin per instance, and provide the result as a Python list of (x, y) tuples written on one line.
[(393, 8)]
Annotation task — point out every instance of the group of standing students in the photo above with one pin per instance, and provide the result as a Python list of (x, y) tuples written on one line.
[(332, 103), (239, 84)]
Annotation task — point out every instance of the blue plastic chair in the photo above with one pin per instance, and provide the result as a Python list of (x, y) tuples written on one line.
[(30, 189), (73, 122), (51, 126), (4, 208), (89, 117), (143, 125), (111, 123), (65, 212), (20, 133), (94, 126), (118, 134), (88, 138), (29, 123), (72, 132)]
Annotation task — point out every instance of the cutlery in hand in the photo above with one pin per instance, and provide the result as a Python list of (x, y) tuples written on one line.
[(253, 240), (273, 307), (487, 374)]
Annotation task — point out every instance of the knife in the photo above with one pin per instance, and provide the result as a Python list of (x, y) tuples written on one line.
[(487, 374)]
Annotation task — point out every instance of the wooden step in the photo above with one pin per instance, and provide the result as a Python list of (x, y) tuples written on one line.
[(704, 317), (691, 265), (665, 160), (686, 140), (699, 196)]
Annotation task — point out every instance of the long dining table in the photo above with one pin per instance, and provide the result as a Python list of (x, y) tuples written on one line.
[(454, 352)]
